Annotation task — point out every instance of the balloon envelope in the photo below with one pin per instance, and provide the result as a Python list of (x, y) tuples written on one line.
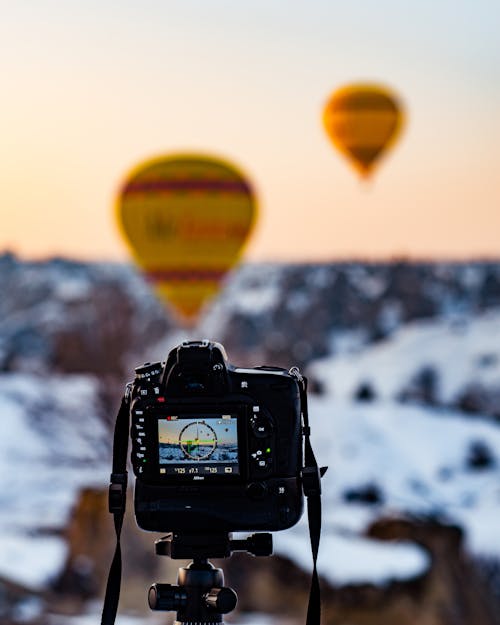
[(363, 121), (186, 218)]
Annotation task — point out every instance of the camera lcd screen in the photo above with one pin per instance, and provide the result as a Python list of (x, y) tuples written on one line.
[(198, 445)]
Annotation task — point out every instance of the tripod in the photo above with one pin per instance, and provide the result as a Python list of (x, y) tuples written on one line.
[(199, 597)]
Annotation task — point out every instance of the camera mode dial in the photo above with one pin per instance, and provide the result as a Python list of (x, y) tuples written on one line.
[(261, 427)]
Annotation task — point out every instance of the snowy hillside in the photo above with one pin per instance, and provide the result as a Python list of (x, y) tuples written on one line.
[(53, 443), (66, 316), (399, 356), (418, 461), (298, 313), (389, 458), (452, 355), (72, 317), (412, 459)]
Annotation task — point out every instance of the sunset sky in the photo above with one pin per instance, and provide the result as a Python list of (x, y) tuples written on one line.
[(91, 88)]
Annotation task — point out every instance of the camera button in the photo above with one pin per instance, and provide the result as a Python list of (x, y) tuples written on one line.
[(262, 428), (256, 490), (262, 465)]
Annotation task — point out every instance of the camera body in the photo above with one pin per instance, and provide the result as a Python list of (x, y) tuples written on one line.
[(215, 448)]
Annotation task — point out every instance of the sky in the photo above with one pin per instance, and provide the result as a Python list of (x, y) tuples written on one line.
[(91, 89), (168, 431)]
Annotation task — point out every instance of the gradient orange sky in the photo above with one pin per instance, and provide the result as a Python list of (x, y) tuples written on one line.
[(89, 89)]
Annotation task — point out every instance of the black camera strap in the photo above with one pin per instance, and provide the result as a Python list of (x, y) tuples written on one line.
[(117, 501), (311, 484)]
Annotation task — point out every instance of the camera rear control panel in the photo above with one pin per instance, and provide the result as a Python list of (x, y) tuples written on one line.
[(261, 444), (258, 453), (139, 442), (146, 390)]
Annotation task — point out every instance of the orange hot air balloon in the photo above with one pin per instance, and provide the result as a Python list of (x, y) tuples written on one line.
[(186, 218), (363, 121)]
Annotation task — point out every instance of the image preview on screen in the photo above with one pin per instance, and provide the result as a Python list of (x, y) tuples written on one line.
[(198, 441)]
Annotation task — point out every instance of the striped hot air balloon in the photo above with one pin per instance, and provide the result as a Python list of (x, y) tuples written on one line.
[(363, 121), (186, 218)]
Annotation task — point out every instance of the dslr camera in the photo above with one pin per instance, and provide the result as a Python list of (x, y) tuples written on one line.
[(215, 447)]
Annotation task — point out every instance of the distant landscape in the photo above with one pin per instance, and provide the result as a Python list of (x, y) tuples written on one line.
[(222, 453), (404, 375)]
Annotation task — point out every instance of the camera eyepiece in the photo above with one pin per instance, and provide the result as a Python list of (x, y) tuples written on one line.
[(196, 367)]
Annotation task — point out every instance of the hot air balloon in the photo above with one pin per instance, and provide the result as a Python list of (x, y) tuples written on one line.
[(363, 121), (186, 218)]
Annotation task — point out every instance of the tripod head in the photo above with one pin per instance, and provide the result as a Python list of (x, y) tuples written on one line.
[(200, 596), (221, 545)]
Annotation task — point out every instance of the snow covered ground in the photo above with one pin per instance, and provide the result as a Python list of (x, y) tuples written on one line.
[(462, 351), (419, 459), (53, 443)]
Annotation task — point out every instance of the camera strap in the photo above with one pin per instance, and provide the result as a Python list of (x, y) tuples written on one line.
[(311, 484), (117, 500)]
